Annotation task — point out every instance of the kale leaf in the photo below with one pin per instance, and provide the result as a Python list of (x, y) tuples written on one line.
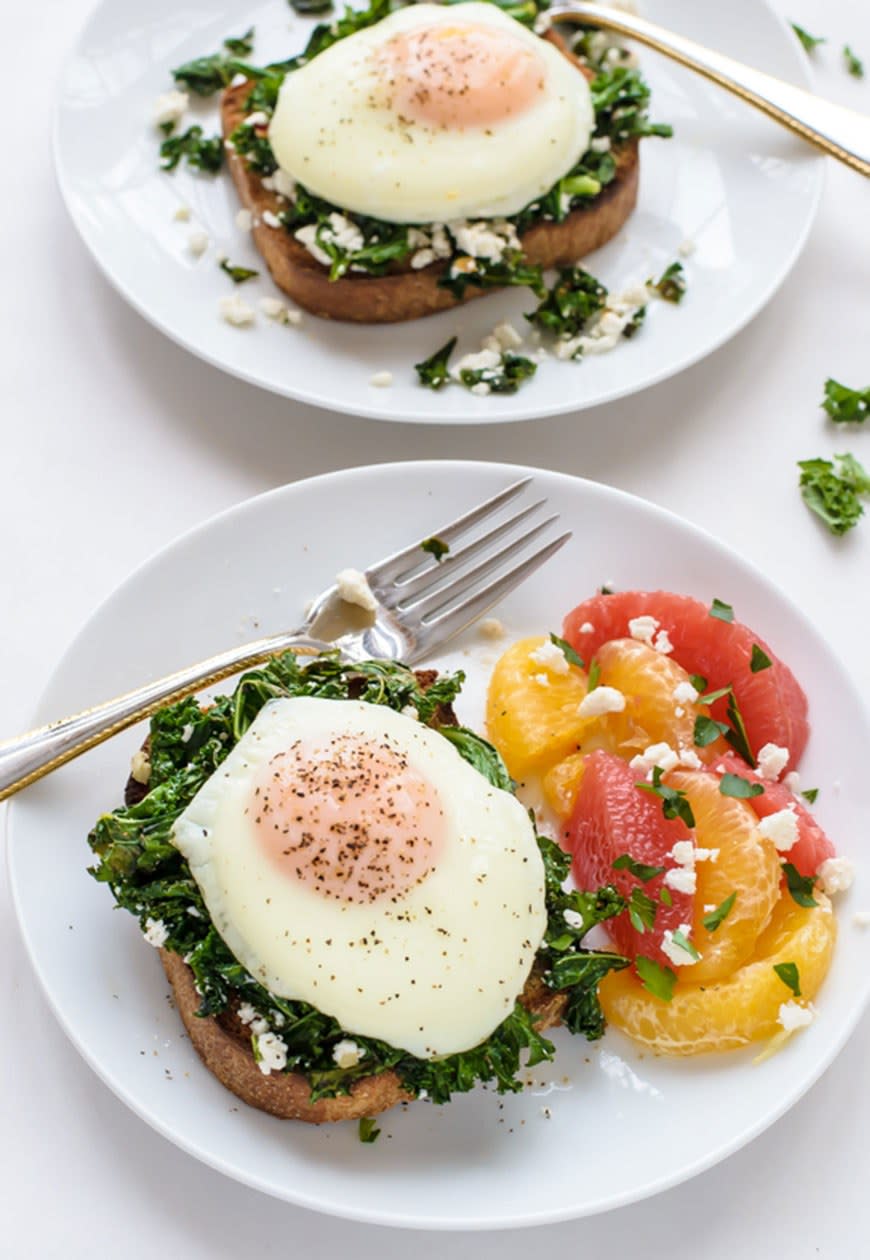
[(671, 284), (434, 371), (203, 153), (505, 378), (834, 489), (575, 297), (846, 405), (238, 275)]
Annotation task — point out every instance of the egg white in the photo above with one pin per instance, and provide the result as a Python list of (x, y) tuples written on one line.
[(333, 132), (434, 971)]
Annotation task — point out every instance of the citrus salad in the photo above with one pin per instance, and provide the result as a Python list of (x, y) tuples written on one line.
[(666, 737)]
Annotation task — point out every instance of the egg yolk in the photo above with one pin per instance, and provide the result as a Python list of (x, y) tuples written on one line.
[(348, 818), (459, 76)]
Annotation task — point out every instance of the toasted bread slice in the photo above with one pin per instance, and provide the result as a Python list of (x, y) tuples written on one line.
[(403, 293), (224, 1045)]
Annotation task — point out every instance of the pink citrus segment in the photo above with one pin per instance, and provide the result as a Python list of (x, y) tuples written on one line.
[(812, 846), (612, 817), (771, 700)]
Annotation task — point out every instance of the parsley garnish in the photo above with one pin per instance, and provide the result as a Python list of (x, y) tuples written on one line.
[(741, 789), (368, 1130), (707, 730), (657, 980), (715, 918), (809, 41), (238, 275), (699, 682), (735, 734), (682, 942), (854, 64), (800, 886), (759, 660), (810, 794), (241, 45), (572, 657), (834, 493), (433, 371), (846, 405), (436, 547), (789, 975), (641, 910), (594, 676), (675, 803), (625, 862), (665, 896), (723, 611), (671, 284), (203, 154)]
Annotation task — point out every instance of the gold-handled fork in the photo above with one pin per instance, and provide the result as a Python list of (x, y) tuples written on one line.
[(420, 601), (842, 133)]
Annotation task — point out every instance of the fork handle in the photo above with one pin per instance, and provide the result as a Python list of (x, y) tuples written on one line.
[(841, 133), (28, 757)]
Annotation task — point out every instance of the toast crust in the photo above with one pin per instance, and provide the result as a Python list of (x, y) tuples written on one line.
[(224, 1045), (404, 294)]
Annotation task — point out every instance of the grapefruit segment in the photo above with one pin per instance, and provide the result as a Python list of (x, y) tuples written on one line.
[(771, 700)]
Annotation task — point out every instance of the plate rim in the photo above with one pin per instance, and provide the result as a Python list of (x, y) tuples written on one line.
[(467, 415), (654, 1185)]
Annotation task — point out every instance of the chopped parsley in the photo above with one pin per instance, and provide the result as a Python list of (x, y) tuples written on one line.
[(625, 862), (699, 682), (594, 676), (789, 975), (641, 911), (572, 657), (800, 886), (759, 660), (435, 547), (657, 980), (723, 611), (810, 42), (708, 730), (202, 153), (834, 489), (675, 803), (845, 405), (671, 284), (738, 787), (810, 794), (854, 64), (714, 920), (735, 733), (238, 275)]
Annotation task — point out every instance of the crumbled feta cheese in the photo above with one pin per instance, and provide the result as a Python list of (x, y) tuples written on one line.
[(422, 258), (271, 219), (246, 1013), (481, 361), (294, 317), (682, 879), (353, 588), (140, 767), (677, 953), (656, 755), (284, 184), (643, 628), (686, 248), (410, 711), (781, 828), (662, 643), (573, 918), (236, 311), (381, 380), (258, 119), (587, 628), (193, 912), (772, 760), (507, 336), (861, 918), (197, 242), (480, 388), (273, 308), (690, 759), (551, 656), (683, 853), (685, 693), (793, 1016), (270, 1053), (347, 1054), (238, 79), (489, 239), (792, 781), (169, 107), (346, 235), (491, 628), (156, 932), (441, 241), (244, 220), (601, 144), (837, 874), (601, 700), (707, 855), (307, 236), (182, 214)]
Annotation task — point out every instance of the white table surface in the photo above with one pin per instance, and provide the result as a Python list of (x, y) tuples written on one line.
[(114, 441)]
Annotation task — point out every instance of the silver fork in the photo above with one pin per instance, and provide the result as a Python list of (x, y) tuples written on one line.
[(421, 602)]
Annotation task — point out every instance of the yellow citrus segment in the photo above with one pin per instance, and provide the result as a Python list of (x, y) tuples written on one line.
[(562, 783), (747, 865), (532, 711), (654, 713), (739, 1010)]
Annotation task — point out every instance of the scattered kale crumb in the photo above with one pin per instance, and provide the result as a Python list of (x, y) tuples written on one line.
[(238, 275), (433, 372), (202, 153), (810, 42), (833, 489), (574, 298), (671, 284), (435, 547), (854, 64), (241, 45)]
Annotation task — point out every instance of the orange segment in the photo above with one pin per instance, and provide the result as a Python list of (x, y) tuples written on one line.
[(747, 865), (738, 1010), (532, 711), (562, 783)]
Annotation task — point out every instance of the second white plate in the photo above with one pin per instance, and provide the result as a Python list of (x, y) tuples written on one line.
[(737, 187)]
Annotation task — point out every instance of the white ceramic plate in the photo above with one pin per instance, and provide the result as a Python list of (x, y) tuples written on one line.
[(738, 187), (623, 1125)]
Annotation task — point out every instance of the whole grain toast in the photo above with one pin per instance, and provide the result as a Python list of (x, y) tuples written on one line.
[(223, 1042), (403, 293)]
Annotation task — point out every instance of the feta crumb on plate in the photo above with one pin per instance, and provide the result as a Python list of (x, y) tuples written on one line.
[(353, 588), (236, 311), (837, 874)]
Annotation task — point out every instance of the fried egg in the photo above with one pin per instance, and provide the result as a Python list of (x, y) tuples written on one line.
[(352, 859), (434, 114)]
